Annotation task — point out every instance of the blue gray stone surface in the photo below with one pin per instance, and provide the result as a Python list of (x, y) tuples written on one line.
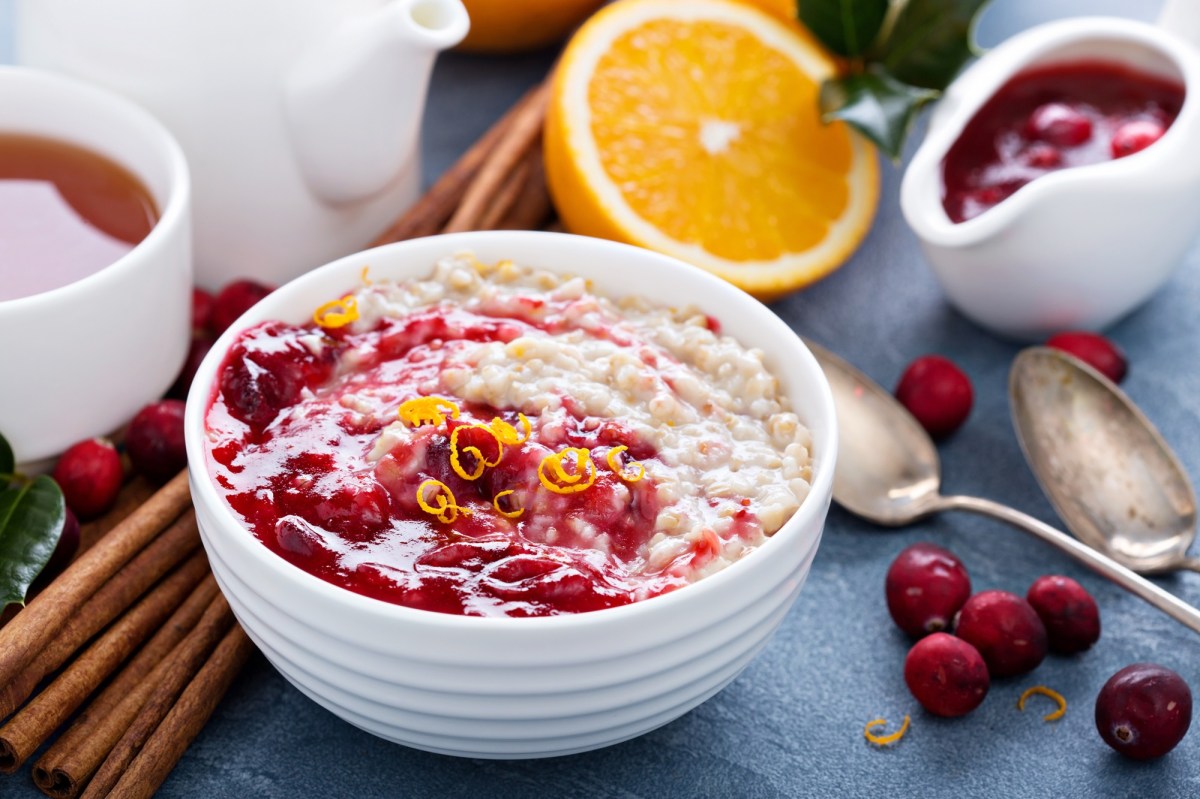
[(791, 724)]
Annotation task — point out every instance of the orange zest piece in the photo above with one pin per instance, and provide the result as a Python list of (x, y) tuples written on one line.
[(620, 471), (480, 462), (884, 740), (507, 435), (1042, 690), (508, 514), (337, 313), (427, 410), (560, 480), (363, 276), (444, 506)]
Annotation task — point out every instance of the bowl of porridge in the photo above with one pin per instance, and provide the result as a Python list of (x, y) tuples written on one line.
[(510, 494)]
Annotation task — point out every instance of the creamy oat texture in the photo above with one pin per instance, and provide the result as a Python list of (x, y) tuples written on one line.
[(708, 405)]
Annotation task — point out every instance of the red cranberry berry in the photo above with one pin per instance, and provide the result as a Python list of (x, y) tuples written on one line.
[(925, 587), (1043, 156), (90, 476), (1005, 630), (1059, 124), (1093, 349), (1144, 710), (233, 301), (202, 305), (1135, 136), (937, 393), (155, 440), (1068, 611), (946, 675), (267, 369), (196, 352)]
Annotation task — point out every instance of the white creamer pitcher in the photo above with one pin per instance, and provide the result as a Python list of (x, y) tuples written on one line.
[(1079, 247), (300, 119)]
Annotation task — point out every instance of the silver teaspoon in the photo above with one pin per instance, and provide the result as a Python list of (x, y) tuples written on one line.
[(888, 473), (1110, 475)]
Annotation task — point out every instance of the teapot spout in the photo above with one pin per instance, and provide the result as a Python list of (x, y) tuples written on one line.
[(353, 102)]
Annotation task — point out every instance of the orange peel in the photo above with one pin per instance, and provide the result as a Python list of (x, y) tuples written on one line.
[(480, 461), (1041, 690), (619, 470), (508, 514), (884, 740), (507, 434), (427, 410), (563, 482), (444, 507), (337, 313)]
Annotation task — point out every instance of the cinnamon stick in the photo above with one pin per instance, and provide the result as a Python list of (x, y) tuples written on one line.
[(521, 135), (65, 768), (169, 679), (181, 726), (532, 207), (130, 582), (23, 638), (507, 193), (29, 728), (133, 495), (429, 214)]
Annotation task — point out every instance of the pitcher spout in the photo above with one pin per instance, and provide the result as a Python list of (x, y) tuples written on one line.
[(354, 101)]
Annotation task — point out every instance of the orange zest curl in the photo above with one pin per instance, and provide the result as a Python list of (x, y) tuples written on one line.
[(337, 313), (884, 740), (507, 435), (1042, 690), (427, 410), (364, 276), (444, 506), (622, 472), (481, 462), (508, 514), (560, 481)]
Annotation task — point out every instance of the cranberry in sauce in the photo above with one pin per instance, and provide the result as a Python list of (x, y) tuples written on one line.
[(1049, 118)]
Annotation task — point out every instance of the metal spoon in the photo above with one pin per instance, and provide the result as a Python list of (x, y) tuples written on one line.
[(888, 473), (1110, 475)]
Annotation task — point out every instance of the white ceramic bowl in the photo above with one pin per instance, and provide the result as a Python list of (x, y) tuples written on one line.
[(510, 687), (80, 360)]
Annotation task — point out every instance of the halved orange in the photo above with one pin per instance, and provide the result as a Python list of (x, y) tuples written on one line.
[(692, 128)]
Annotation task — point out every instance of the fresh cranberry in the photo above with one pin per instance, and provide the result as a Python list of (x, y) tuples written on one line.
[(1135, 136), (202, 306), (196, 352), (946, 675), (1144, 710), (1005, 630), (90, 476), (1043, 156), (925, 587), (1093, 349), (233, 301), (1059, 124), (1068, 611), (155, 440), (937, 393)]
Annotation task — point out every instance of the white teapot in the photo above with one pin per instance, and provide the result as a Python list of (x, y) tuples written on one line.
[(300, 119)]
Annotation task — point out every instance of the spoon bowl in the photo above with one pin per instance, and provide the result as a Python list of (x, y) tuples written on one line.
[(1114, 481)]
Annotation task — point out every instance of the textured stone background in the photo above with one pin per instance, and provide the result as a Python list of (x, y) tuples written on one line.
[(791, 724)]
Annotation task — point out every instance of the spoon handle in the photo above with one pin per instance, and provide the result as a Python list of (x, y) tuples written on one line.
[(1167, 602)]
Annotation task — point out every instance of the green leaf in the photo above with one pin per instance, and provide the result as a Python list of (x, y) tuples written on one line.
[(31, 521), (930, 41), (8, 463), (847, 27), (876, 104)]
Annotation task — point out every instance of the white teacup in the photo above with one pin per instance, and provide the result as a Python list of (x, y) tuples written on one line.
[(80, 360)]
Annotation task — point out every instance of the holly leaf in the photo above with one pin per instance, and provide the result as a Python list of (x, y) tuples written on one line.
[(32, 516), (847, 27), (8, 463), (930, 41), (876, 104)]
